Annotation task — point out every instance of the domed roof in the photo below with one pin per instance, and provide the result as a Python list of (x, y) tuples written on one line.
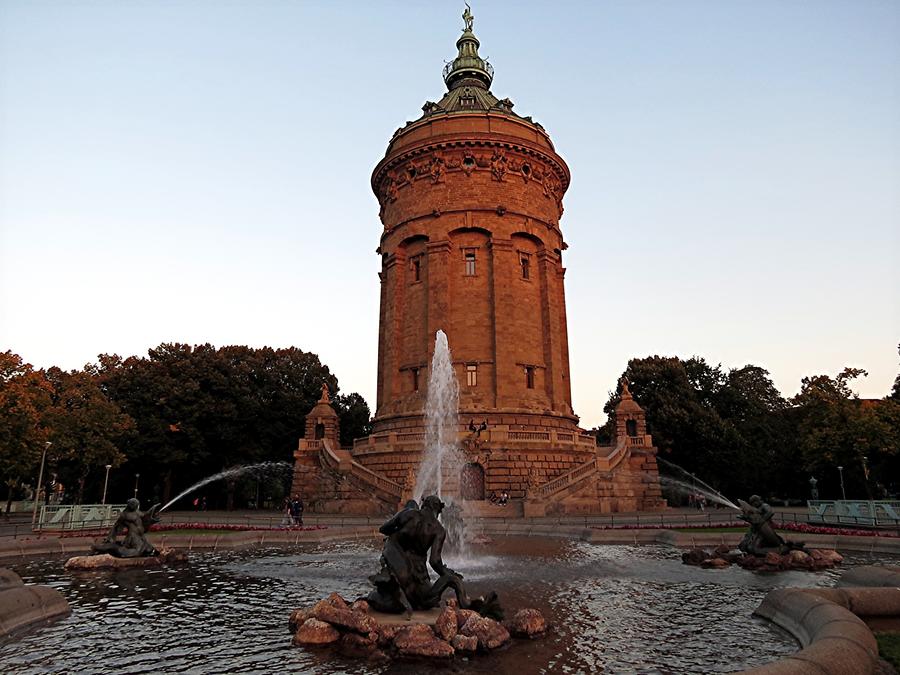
[(468, 78)]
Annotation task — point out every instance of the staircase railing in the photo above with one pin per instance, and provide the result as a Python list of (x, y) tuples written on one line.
[(574, 476), (332, 460)]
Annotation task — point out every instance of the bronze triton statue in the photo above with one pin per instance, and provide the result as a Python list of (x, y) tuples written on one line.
[(761, 538), (403, 584), (134, 523)]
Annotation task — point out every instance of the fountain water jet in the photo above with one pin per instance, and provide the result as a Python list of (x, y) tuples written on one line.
[(259, 469), (441, 455), (691, 488), (442, 459)]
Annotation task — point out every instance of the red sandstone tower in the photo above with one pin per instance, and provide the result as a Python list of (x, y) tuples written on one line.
[(471, 199)]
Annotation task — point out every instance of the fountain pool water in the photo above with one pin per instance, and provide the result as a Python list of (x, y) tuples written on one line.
[(613, 609)]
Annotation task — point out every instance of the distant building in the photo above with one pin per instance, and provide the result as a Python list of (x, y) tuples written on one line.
[(471, 199)]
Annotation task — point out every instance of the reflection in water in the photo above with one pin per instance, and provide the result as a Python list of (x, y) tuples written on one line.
[(615, 609)]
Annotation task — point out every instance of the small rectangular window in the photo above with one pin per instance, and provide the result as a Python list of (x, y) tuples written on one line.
[(525, 260), (470, 262), (417, 269), (529, 377), (415, 378), (472, 375)]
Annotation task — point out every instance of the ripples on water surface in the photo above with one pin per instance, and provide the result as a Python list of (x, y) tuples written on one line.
[(615, 609)]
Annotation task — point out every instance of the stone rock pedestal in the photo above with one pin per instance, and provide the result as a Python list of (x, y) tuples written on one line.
[(103, 561), (439, 633), (813, 559)]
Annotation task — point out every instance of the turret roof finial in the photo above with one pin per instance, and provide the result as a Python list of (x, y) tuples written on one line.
[(468, 67)]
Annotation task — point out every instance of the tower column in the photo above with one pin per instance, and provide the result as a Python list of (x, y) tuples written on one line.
[(503, 264), (438, 306)]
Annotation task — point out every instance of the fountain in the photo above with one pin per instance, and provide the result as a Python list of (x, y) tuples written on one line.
[(440, 457), (257, 469), (685, 487), (405, 615)]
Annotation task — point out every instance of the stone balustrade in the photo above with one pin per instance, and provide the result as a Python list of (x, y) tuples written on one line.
[(341, 462), (498, 436), (604, 461)]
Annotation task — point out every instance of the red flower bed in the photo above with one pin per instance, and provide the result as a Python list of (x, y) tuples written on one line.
[(804, 528), (175, 527), (228, 527)]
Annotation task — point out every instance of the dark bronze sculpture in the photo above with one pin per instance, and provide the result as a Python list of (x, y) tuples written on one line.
[(134, 523), (761, 538), (403, 584)]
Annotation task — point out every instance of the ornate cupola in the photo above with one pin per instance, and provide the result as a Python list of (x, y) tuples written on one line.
[(468, 67)]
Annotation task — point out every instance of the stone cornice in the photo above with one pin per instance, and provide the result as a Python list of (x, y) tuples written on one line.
[(439, 153)]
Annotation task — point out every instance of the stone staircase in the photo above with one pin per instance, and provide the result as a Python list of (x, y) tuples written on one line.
[(341, 461), (570, 482)]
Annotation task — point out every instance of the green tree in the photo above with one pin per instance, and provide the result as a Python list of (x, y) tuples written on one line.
[(835, 428), (201, 409), (727, 428), (895, 392), (355, 417)]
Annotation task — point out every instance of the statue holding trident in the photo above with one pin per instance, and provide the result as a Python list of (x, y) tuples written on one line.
[(469, 18)]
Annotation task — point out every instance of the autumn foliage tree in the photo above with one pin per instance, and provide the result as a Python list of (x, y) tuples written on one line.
[(24, 396), (85, 427)]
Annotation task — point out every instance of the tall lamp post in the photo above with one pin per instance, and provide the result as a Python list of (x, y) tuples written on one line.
[(105, 483), (137, 477), (37, 492), (843, 492), (813, 492)]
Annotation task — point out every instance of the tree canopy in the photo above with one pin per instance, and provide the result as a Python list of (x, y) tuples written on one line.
[(174, 416), (735, 431)]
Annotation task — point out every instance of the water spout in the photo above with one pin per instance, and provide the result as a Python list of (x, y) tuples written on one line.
[(260, 469), (440, 457), (691, 487)]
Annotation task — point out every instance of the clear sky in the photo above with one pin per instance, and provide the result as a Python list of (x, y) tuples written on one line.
[(199, 172)]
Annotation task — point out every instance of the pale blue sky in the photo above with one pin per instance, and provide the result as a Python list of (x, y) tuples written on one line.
[(199, 171)]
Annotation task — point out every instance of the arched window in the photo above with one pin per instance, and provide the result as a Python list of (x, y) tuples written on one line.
[(631, 427), (320, 431)]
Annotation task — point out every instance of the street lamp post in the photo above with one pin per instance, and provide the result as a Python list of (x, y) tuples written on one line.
[(843, 492), (137, 477), (865, 467), (813, 492), (37, 491), (105, 483)]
